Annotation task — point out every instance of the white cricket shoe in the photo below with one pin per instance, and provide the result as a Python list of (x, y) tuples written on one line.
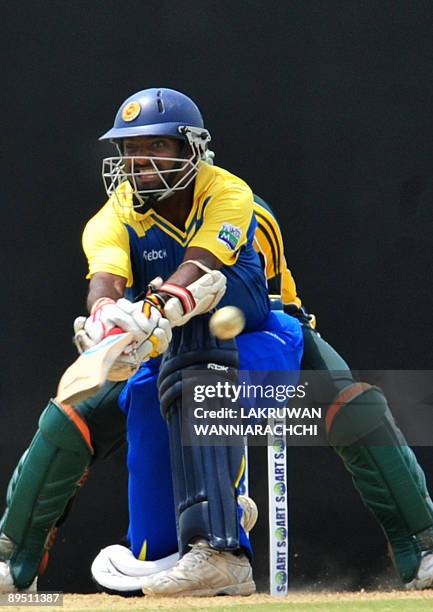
[(424, 575), (250, 512), (7, 582), (203, 572)]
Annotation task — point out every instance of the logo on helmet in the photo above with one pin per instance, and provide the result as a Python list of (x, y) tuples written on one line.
[(131, 111)]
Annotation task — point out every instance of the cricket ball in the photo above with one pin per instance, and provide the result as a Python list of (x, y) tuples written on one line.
[(227, 322)]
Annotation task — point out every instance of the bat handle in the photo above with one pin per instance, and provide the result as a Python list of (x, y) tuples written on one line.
[(114, 331)]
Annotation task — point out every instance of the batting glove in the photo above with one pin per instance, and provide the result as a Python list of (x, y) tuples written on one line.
[(106, 314), (199, 297), (142, 349), (179, 304), (138, 352)]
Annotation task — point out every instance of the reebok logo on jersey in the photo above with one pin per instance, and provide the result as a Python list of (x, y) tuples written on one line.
[(154, 254), (229, 235)]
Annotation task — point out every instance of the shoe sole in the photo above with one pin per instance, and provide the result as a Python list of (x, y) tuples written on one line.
[(247, 588)]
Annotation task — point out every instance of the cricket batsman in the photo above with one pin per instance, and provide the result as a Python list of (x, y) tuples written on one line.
[(183, 230)]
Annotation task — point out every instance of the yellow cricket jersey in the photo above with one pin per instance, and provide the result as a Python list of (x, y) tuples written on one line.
[(141, 246), (268, 242)]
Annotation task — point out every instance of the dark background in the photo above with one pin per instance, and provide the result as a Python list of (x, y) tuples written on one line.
[(325, 108)]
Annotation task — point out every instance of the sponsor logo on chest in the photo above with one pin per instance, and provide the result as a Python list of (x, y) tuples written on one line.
[(154, 254)]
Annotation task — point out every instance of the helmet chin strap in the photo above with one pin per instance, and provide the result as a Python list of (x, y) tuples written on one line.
[(150, 199), (144, 202)]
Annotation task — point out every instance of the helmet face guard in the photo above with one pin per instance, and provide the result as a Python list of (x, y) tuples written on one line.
[(156, 112), (117, 170)]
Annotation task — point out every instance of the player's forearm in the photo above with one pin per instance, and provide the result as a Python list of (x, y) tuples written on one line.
[(188, 273), (104, 284)]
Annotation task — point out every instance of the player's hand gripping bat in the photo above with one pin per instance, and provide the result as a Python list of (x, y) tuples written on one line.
[(89, 371)]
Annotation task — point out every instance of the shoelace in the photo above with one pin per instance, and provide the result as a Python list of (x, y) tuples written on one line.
[(199, 552)]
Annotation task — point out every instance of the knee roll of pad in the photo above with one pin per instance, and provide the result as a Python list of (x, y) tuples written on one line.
[(356, 411), (203, 476), (63, 427), (194, 348)]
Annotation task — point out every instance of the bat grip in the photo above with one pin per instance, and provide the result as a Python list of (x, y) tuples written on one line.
[(114, 331)]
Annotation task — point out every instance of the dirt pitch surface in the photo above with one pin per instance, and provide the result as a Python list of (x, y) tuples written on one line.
[(295, 602)]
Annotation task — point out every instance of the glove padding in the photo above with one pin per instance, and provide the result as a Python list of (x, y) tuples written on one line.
[(129, 316), (143, 348), (128, 362), (200, 297)]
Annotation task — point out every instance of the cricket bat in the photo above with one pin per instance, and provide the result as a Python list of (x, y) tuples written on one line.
[(89, 372)]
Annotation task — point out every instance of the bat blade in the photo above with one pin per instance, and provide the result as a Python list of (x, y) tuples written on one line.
[(90, 370)]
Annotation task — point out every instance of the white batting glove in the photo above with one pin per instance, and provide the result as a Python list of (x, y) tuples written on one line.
[(138, 352), (136, 316), (199, 297), (134, 354), (128, 316), (81, 340)]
